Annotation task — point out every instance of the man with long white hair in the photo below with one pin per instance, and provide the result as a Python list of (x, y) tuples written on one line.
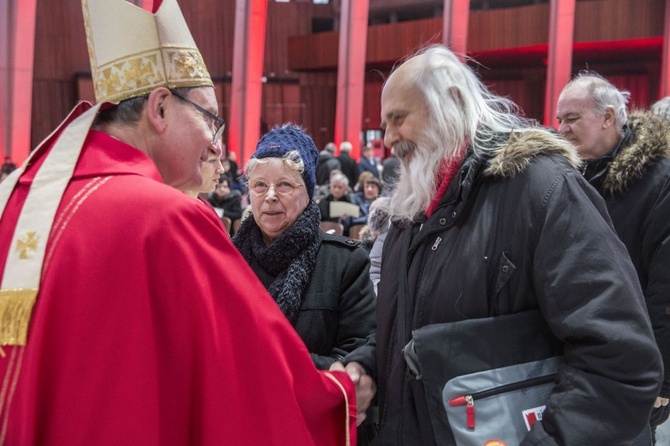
[(492, 225)]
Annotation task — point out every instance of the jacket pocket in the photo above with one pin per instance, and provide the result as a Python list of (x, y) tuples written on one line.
[(504, 271), (500, 403)]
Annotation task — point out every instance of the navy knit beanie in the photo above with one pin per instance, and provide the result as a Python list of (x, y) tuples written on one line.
[(281, 140)]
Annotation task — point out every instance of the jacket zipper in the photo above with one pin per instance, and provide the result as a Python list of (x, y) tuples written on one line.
[(469, 399)]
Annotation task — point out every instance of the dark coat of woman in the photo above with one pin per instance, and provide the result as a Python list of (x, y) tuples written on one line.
[(522, 219), (337, 309)]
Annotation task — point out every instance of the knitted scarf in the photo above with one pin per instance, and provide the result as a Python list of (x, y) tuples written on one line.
[(290, 257)]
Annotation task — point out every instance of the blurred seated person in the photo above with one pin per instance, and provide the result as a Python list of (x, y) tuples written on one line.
[(379, 222), (8, 165), (391, 170), (339, 191), (323, 190), (367, 163), (226, 202), (372, 188), (231, 171), (362, 178), (320, 281)]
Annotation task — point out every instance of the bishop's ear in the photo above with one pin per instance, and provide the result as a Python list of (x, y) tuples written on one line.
[(158, 107)]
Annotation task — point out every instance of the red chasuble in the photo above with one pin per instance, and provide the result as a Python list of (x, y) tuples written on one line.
[(150, 329)]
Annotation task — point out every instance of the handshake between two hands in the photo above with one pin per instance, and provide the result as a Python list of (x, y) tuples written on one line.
[(365, 386)]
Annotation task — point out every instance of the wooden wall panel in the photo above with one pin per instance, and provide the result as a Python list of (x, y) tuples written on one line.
[(392, 42), (52, 101), (212, 26), (60, 53), (618, 19), (638, 86), (372, 107), (318, 92), (313, 51), (508, 28), (599, 20), (285, 20)]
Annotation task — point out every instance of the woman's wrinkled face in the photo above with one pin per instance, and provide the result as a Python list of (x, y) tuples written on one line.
[(275, 213)]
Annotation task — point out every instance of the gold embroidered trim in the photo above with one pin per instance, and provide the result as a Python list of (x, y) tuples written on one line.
[(346, 406), (68, 212), (16, 307), (138, 74)]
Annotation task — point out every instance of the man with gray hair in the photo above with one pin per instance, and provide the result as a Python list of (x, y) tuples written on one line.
[(492, 224), (662, 108), (626, 160), (349, 165), (326, 164)]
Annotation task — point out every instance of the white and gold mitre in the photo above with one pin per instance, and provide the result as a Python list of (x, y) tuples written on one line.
[(139, 51)]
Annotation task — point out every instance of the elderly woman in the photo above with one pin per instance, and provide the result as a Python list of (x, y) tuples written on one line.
[(372, 188), (320, 281)]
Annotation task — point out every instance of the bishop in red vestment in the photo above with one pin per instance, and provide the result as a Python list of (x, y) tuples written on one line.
[(150, 329)]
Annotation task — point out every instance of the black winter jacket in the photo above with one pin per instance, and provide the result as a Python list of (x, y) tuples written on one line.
[(634, 179), (337, 312), (517, 230)]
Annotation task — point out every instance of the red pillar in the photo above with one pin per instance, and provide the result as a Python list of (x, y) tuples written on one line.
[(246, 89), (455, 26), (665, 61), (4, 77), (561, 37), (351, 73), (17, 42)]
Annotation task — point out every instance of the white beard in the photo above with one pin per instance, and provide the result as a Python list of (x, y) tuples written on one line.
[(416, 186)]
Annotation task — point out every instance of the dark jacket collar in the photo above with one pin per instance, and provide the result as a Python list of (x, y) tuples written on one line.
[(513, 154)]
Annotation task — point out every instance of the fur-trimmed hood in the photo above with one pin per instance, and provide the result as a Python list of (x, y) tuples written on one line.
[(649, 142), (522, 147)]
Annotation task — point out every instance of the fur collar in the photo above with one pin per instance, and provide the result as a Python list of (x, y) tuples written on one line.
[(648, 143), (522, 147)]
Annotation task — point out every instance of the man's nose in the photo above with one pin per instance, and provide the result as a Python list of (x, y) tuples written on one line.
[(390, 137), (563, 128)]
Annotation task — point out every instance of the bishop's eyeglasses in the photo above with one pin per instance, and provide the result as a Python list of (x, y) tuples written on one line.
[(218, 123)]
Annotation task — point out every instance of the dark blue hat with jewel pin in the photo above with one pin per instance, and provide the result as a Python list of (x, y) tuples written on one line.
[(281, 140)]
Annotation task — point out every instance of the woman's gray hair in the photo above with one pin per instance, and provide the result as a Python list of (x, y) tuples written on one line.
[(291, 160), (604, 95)]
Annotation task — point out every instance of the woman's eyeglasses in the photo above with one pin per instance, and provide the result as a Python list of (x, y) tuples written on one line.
[(218, 124), (260, 187)]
